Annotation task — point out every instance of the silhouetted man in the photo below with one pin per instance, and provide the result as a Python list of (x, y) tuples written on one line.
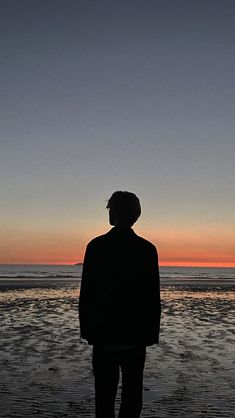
[(120, 307)]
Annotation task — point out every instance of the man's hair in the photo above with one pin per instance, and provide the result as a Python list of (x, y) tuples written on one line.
[(126, 206)]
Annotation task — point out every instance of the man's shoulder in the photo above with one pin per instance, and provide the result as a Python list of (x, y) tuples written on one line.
[(99, 240), (145, 243)]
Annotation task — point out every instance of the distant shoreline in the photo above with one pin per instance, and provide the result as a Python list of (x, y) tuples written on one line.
[(81, 264)]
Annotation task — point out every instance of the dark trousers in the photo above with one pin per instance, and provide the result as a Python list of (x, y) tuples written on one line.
[(106, 367)]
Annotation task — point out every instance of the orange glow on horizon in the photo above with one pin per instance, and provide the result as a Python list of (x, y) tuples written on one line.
[(198, 264), (186, 248), (205, 247), (189, 264), (162, 262)]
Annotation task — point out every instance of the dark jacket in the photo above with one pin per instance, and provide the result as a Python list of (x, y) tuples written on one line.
[(120, 296)]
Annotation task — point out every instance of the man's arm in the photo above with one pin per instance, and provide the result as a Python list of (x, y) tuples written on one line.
[(153, 297), (86, 293)]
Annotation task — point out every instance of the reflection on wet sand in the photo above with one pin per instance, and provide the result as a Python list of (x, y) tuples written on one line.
[(46, 372)]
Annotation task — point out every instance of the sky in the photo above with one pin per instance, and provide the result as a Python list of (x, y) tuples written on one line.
[(99, 96)]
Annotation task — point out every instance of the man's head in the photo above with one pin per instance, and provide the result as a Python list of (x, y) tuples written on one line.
[(124, 209)]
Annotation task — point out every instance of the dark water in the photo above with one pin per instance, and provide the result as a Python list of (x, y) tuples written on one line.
[(41, 275)]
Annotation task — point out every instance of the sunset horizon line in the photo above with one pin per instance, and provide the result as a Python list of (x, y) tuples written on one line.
[(163, 264)]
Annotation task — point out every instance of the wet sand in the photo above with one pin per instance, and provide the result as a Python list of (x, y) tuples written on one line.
[(45, 370)]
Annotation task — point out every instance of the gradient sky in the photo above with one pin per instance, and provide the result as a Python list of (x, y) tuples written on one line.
[(98, 96)]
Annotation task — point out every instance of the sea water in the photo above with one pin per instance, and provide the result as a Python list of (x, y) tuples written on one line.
[(24, 274)]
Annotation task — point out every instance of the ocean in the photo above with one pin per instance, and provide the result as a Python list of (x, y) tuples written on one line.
[(27, 275), (45, 368)]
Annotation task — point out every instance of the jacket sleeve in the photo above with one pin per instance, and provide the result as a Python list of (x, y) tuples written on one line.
[(86, 298), (158, 296), (154, 300)]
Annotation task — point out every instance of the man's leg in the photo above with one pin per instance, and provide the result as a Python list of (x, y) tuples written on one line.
[(132, 365), (106, 373)]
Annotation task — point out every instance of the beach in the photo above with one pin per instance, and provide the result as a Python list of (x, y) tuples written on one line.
[(45, 369)]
